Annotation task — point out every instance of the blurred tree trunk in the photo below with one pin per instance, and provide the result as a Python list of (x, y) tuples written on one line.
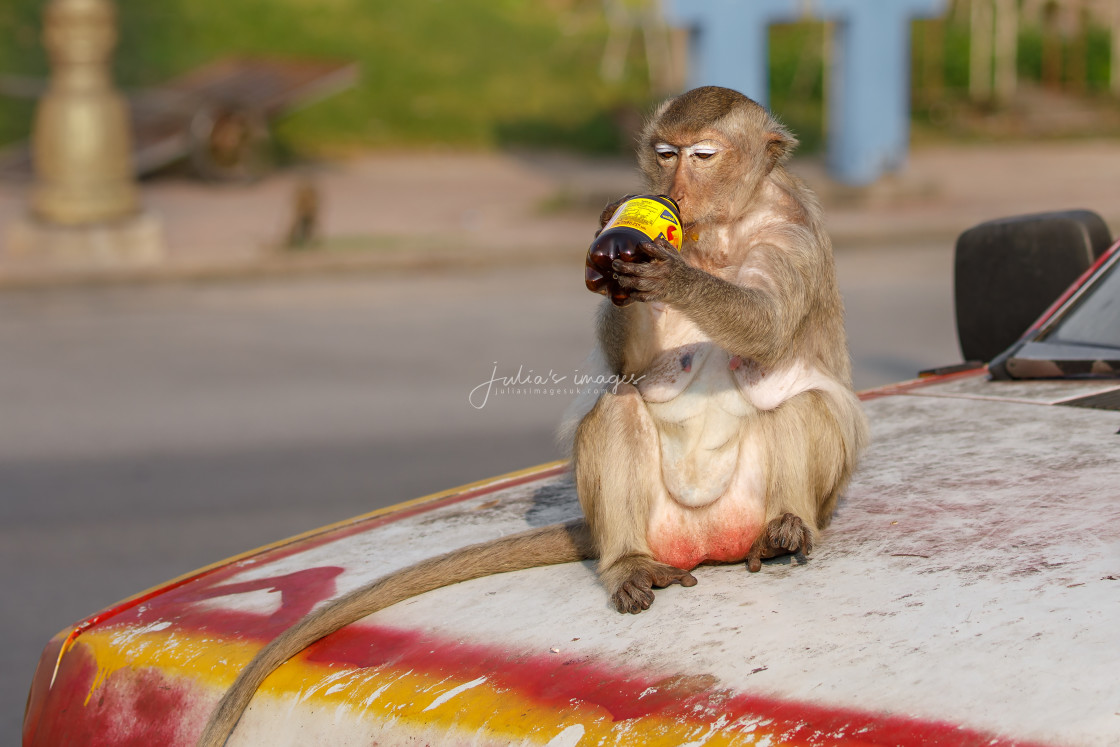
[(933, 64), (1078, 74), (1007, 47), (679, 45), (1051, 47), (1114, 72), (980, 51)]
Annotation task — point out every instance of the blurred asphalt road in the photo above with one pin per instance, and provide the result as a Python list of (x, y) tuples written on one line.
[(147, 429)]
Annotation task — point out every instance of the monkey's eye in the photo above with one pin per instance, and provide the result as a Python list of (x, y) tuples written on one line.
[(704, 153), (665, 151)]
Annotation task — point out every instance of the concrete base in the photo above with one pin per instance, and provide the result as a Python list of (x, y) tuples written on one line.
[(135, 242)]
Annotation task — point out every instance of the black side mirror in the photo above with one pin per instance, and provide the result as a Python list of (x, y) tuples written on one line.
[(1009, 271)]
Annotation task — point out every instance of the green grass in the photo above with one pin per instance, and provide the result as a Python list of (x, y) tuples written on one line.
[(19, 53), (460, 73), (797, 81), (473, 73), (463, 73)]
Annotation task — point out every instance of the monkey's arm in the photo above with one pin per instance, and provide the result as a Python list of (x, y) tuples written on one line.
[(757, 319)]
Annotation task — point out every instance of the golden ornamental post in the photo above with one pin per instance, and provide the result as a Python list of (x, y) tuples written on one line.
[(81, 140), (84, 204)]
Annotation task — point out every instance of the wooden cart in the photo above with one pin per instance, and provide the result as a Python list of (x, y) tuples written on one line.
[(217, 116)]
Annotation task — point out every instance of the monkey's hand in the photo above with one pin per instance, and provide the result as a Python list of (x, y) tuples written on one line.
[(633, 579), (656, 280), (609, 211), (785, 534)]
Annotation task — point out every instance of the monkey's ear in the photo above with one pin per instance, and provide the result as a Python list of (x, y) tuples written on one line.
[(779, 145)]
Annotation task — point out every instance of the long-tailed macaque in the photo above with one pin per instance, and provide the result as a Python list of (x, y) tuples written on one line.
[(741, 428)]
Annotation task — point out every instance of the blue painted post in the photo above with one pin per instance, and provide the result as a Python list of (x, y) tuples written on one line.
[(869, 88), (731, 41), (869, 91)]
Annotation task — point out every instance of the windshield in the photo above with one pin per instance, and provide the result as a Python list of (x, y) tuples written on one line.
[(1080, 339), (1095, 320)]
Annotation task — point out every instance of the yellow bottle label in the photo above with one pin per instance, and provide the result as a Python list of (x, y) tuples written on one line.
[(651, 218)]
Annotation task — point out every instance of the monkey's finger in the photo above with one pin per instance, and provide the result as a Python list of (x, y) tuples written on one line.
[(754, 559), (644, 280), (629, 269), (660, 249), (806, 541), (664, 575), (684, 578), (632, 598), (640, 269), (640, 284), (785, 531), (789, 532), (760, 549)]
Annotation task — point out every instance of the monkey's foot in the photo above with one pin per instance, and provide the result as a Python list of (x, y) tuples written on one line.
[(632, 580), (785, 534)]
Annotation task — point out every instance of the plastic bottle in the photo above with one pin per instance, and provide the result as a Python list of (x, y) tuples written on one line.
[(639, 219)]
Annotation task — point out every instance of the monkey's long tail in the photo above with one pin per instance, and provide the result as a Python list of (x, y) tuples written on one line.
[(557, 543)]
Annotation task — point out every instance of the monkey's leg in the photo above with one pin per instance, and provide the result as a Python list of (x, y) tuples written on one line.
[(812, 441), (617, 470)]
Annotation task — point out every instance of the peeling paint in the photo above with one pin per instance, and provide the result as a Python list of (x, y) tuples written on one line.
[(453, 692), (570, 737)]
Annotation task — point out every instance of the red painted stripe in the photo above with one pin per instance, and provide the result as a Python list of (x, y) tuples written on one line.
[(556, 682), (306, 543), (583, 686), (907, 386)]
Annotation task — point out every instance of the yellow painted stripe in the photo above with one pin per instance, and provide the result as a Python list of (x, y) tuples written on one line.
[(390, 694)]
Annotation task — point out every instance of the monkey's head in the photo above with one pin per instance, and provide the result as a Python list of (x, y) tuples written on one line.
[(709, 149)]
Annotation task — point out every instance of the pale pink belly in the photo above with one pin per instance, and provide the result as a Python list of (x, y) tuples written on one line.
[(723, 532)]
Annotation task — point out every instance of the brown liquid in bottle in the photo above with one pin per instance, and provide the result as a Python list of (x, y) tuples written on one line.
[(620, 242)]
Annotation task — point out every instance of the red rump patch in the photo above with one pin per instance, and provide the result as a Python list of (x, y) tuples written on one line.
[(721, 532), (683, 551)]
